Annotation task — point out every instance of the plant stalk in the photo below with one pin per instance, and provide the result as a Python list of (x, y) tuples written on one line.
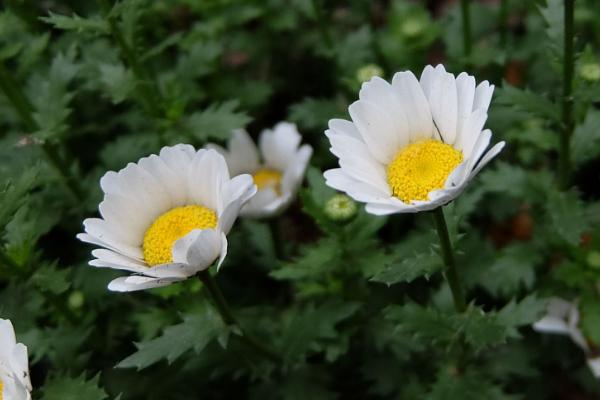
[(451, 272), (229, 319), (24, 108), (568, 123), (466, 26)]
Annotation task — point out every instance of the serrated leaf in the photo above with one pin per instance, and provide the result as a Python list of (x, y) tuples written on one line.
[(315, 113), (312, 324), (527, 101), (66, 388), (118, 81), (409, 269), (314, 260), (51, 279), (585, 144), (472, 385), (513, 269), (195, 332), (522, 313), (91, 25), (567, 215), (217, 121), (553, 13)]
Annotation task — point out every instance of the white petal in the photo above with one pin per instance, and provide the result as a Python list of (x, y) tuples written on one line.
[(131, 216), (265, 203), (111, 259), (594, 365), (414, 105), (198, 249), (346, 128), (471, 131), (171, 182), (277, 146), (444, 105), (206, 176), (235, 194), (114, 236), (135, 282), (20, 364), (493, 152), (242, 155), (483, 95), (465, 87), (178, 157), (359, 191), (144, 187), (7, 339), (133, 252), (376, 129)]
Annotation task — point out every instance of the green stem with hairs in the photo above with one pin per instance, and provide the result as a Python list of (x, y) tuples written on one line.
[(568, 122), (229, 319), (451, 272), (25, 110)]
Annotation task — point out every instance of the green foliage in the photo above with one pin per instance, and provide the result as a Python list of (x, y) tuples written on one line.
[(195, 332), (355, 307)]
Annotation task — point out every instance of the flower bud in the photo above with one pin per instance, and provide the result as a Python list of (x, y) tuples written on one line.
[(76, 300), (593, 259), (411, 27), (367, 72), (340, 208), (590, 71)]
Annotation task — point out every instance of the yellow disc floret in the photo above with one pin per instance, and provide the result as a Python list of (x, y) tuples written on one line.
[(171, 226), (420, 168), (268, 178), (1, 390)]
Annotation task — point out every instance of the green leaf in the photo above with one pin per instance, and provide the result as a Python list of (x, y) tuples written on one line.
[(589, 309), (14, 193), (66, 388), (567, 215), (314, 260), (553, 14), (315, 113), (312, 324), (471, 385), (512, 270), (217, 121), (410, 268), (524, 313), (92, 25), (585, 144), (527, 101), (51, 279), (118, 81), (195, 332)]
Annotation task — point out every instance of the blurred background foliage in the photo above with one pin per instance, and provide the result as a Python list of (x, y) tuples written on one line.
[(357, 309)]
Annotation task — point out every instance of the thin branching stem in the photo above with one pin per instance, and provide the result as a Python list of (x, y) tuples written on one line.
[(568, 122), (229, 319), (25, 110), (451, 272)]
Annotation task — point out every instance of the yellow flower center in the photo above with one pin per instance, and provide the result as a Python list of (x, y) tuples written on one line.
[(420, 168), (268, 178), (1, 390), (171, 226)]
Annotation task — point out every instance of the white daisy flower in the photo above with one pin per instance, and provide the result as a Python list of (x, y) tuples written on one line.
[(165, 217), (14, 367), (562, 318), (412, 145), (280, 173)]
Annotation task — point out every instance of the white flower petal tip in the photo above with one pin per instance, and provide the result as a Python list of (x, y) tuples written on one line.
[(397, 128), (14, 365), (277, 167), (148, 204)]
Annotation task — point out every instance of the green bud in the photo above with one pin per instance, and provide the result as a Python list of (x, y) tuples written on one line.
[(593, 259), (368, 71), (590, 72), (76, 300), (411, 27), (340, 208)]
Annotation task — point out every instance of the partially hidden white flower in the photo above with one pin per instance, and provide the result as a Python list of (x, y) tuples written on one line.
[(166, 217), (277, 169), (562, 318), (15, 383), (412, 145)]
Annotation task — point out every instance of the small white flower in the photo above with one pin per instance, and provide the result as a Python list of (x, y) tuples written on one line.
[(14, 367), (562, 318), (280, 173), (412, 145), (165, 217)]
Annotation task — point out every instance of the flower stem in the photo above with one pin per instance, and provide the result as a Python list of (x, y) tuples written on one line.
[(24, 108), (229, 319), (149, 94), (451, 273), (466, 27), (568, 123)]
